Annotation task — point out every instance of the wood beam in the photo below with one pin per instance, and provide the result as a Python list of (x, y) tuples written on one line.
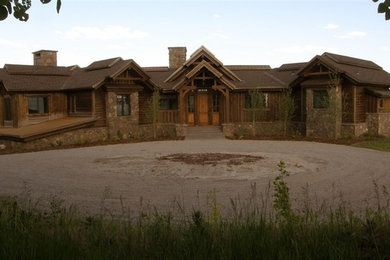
[(307, 74)]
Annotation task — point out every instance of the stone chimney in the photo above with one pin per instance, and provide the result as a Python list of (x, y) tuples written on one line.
[(45, 58), (177, 56)]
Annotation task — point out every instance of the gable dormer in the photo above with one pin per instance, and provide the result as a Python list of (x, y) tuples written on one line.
[(202, 61)]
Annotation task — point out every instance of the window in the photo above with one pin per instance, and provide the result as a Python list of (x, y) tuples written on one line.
[(123, 105), (7, 104), (320, 99), (37, 105), (380, 103), (255, 98), (191, 103), (215, 103), (168, 102)]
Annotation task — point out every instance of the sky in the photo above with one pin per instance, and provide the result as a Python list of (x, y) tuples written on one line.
[(253, 32)]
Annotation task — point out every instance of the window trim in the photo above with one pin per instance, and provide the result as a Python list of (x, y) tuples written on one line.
[(381, 103), (247, 100), (323, 105), (45, 108), (122, 95)]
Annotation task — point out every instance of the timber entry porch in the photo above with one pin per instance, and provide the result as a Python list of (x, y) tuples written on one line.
[(204, 132)]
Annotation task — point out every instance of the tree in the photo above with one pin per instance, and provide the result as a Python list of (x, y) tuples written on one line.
[(384, 7), (286, 108), (256, 105), (153, 111), (19, 8), (333, 104)]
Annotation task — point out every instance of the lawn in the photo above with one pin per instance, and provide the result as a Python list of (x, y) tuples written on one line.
[(381, 145)]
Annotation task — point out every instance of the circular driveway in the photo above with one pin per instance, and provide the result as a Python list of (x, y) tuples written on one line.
[(129, 178)]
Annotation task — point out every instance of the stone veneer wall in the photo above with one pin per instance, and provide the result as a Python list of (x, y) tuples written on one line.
[(354, 129), (75, 137), (274, 128), (121, 127), (319, 123), (378, 124)]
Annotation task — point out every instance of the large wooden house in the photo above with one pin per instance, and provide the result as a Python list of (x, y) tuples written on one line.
[(109, 98)]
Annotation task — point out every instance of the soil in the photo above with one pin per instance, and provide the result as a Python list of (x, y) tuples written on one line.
[(178, 176)]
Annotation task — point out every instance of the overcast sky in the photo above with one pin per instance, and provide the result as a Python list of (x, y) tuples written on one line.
[(237, 32)]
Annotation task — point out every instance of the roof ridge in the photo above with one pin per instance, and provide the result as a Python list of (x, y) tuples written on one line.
[(333, 57)]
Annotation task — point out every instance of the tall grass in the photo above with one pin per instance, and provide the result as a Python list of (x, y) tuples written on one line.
[(63, 233)]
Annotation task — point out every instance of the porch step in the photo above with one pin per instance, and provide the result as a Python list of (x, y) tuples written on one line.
[(204, 132)]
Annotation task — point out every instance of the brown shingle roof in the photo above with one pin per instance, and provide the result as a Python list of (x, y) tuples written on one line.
[(42, 78), (28, 78), (361, 72)]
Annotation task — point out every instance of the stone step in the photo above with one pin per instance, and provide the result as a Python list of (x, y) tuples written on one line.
[(204, 132)]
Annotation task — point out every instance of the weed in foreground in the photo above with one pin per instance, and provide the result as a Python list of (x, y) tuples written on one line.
[(62, 233)]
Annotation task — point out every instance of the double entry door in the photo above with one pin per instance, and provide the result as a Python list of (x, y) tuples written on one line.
[(203, 109)]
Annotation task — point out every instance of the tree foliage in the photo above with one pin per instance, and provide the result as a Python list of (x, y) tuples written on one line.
[(384, 7), (19, 8), (286, 108), (256, 105)]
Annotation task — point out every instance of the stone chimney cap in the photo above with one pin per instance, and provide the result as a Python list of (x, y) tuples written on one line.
[(35, 52)]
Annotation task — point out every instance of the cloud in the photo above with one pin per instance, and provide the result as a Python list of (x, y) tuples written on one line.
[(9, 43), (217, 16), (331, 26), (352, 35), (102, 33)]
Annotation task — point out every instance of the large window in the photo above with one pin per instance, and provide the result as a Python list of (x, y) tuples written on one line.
[(320, 99), (123, 105), (37, 105), (256, 100), (168, 102)]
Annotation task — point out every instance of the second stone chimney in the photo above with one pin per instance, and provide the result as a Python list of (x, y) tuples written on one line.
[(177, 56), (45, 58)]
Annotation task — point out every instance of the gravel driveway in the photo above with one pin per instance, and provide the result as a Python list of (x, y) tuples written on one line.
[(132, 177)]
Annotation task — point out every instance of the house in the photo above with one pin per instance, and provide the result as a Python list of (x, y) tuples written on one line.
[(45, 104)]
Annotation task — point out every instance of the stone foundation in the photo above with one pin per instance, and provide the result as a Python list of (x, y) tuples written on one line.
[(353, 129), (379, 124), (75, 137), (261, 129), (86, 136)]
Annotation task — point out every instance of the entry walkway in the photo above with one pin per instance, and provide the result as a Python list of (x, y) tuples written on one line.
[(204, 132)]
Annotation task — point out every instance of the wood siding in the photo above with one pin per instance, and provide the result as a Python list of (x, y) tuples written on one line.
[(361, 105), (100, 107), (168, 116), (238, 112)]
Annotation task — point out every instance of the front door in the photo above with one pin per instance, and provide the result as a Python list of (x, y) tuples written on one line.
[(203, 109)]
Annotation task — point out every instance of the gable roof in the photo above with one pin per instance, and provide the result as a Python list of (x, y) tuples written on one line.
[(42, 78), (360, 72), (203, 52)]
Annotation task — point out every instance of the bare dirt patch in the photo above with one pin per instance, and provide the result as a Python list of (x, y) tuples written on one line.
[(211, 158)]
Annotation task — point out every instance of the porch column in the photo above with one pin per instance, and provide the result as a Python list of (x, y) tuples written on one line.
[(181, 107), (227, 106)]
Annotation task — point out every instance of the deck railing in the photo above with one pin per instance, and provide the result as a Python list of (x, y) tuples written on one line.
[(168, 116)]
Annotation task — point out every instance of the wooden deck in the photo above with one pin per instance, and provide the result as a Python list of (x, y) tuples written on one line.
[(35, 131)]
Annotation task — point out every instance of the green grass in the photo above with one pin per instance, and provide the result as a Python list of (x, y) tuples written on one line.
[(30, 234), (381, 145)]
